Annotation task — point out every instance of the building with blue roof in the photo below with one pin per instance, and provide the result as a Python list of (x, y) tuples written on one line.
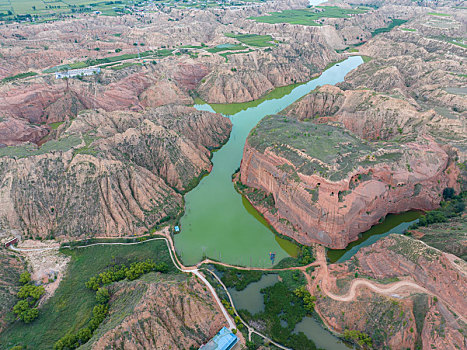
[(223, 340)]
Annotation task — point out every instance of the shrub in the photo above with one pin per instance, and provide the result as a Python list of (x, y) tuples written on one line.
[(102, 295), (25, 278)]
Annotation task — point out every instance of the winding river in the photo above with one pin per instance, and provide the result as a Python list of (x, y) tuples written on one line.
[(218, 223)]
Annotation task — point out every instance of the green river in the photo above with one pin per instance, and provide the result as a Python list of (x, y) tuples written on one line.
[(218, 222)]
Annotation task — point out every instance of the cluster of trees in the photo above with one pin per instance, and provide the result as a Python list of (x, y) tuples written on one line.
[(121, 272), (25, 309), (99, 313), (358, 337), (453, 205), (308, 299), (306, 256)]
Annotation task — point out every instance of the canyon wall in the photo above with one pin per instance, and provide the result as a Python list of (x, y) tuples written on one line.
[(108, 173), (329, 185)]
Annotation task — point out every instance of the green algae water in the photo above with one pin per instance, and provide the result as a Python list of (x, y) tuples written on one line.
[(393, 223), (217, 222)]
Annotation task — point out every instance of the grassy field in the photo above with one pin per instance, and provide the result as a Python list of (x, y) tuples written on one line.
[(226, 47), (394, 23), (18, 76), (252, 39), (111, 59), (307, 17), (42, 9), (71, 306), (26, 150)]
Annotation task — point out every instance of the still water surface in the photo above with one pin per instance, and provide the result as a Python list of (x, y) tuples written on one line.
[(217, 222)]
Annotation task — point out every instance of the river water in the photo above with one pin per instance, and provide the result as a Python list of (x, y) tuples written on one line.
[(218, 223)]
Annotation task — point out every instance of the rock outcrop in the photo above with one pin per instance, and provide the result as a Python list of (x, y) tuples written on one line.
[(329, 185), (108, 173), (409, 318), (162, 314)]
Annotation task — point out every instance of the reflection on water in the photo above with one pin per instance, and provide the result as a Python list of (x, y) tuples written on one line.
[(217, 221), (393, 223), (251, 298), (322, 338)]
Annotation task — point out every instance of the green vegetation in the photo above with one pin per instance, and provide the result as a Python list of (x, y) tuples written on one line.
[(18, 76), (283, 310), (238, 279), (39, 11), (408, 29), (125, 65), (358, 337), (394, 23), (438, 14), (226, 47), (308, 299), (307, 17), (333, 152), (73, 340), (225, 54), (451, 206), (252, 39), (71, 307), (389, 222), (111, 59), (29, 294), (366, 58), (120, 272), (234, 108), (26, 150), (54, 126)]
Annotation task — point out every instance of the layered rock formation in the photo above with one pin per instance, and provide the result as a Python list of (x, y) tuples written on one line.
[(409, 318), (329, 185), (162, 314), (108, 174)]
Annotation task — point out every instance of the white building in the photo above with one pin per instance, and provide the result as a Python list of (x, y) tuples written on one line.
[(77, 72)]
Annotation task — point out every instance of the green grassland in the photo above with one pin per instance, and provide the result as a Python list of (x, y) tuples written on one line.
[(26, 150), (51, 10), (307, 17), (18, 76), (394, 23), (111, 59), (331, 147), (71, 306), (252, 39), (226, 47)]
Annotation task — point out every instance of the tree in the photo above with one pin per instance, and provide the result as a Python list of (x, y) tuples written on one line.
[(102, 295), (25, 278), (448, 193)]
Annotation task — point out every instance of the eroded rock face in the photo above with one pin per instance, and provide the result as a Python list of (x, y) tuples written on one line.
[(378, 116), (165, 315), (14, 131), (329, 185), (409, 318), (108, 173)]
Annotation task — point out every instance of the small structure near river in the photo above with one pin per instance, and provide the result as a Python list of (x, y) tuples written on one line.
[(223, 340)]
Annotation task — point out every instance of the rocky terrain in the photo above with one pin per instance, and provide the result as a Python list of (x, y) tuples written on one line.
[(159, 313), (407, 319), (108, 173), (450, 237), (12, 266), (329, 185)]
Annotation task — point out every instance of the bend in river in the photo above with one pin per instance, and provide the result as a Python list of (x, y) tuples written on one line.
[(216, 223)]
